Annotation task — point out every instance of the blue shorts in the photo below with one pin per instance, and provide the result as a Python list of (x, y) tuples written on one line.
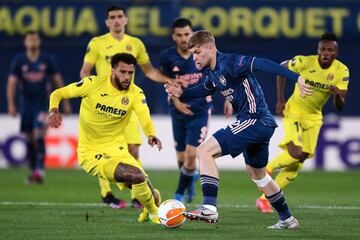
[(31, 119), (190, 130), (250, 137)]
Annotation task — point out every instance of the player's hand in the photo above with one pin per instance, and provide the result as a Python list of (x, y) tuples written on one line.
[(305, 90), (334, 90), (280, 106), (228, 109), (54, 118), (152, 140), (173, 89), (182, 107), (12, 110)]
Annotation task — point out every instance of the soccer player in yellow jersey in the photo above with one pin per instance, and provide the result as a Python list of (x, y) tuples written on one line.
[(98, 55), (302, 117), (106, 108)]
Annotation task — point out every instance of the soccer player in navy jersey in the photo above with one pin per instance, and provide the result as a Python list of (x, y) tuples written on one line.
[(189, 115), (31, 73), (233, 76)]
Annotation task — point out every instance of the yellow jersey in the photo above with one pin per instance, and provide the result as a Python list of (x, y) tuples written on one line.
[(104, 111), (320, 80), (100, 50)]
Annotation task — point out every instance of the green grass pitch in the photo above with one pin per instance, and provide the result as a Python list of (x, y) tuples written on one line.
[(67, 206)]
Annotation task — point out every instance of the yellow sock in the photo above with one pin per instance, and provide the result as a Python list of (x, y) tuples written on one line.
[(104, 186), (143, 193), (288, 174), (284, 159)]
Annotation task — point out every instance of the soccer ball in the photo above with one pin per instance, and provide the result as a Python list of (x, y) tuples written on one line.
[(170, 213)]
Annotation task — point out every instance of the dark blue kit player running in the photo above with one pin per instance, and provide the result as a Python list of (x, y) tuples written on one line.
[(31, 74), (232, 75)]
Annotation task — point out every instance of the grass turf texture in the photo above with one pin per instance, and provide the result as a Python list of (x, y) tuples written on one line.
[(67, 206)]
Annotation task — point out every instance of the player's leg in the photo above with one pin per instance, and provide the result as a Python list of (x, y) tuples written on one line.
[(256, 157), (209, 179), (196, 132), (179, 135), (134, 150), (108, 197)]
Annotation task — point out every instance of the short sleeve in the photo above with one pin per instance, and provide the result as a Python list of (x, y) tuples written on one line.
[(164, 68), (91, 54), (52, 65), (344, 79), (296, 64), (15, 67), (142, 56)]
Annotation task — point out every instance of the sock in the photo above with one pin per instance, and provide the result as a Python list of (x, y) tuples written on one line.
[(288, 174), (31, 154), (40, 153), (209, 187), (104, 187), (143, 193), (185, 180), (279, 204)]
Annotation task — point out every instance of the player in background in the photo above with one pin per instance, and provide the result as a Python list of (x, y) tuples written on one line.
[(302, 117), (33, 73), (106, 108), (98, 55), (189, 116), (233, 76)]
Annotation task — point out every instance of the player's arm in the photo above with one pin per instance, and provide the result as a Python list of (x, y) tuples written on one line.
[(199, 91), (59, 83), (268, 66), (73, 90), (89, 59), (154, 74), (10, 94), (86, 69), (339, 97), (142, 111), (280, 89)]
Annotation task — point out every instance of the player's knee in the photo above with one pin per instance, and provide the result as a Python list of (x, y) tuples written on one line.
[(202, 150), (297, 153), (263, 182), (138, 178)]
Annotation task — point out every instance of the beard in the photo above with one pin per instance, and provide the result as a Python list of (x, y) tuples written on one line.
[(119, 85)]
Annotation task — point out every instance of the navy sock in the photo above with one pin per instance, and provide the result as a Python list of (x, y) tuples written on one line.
[(185, 180), (40, 153), (279, 203), (209, 187), (31, 154)]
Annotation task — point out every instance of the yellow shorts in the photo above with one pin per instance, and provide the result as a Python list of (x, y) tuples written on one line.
[(132, 133), (102, 164), (301, 134)]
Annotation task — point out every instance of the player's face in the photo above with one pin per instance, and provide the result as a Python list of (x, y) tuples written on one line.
[(327, 51), (181, 37), (122, 75), (116, 21), (201, 55), (32, 41)]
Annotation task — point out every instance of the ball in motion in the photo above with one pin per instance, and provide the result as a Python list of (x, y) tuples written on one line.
[(170, 213)]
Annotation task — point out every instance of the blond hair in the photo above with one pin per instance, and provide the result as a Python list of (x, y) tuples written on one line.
[(201, 37)]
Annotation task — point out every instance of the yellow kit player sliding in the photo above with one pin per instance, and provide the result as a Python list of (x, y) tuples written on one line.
[(302, 117), (106, 107)]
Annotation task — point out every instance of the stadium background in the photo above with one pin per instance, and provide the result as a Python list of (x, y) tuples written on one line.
[(273, 29)]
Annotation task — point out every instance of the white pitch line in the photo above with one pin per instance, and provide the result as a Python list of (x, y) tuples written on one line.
[(10, 203)]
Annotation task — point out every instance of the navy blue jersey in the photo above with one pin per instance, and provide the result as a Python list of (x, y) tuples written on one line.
[(34, 79), (173, 65), (233, 77)]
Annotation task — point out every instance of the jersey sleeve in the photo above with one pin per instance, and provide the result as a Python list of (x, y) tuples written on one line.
[(73, 90), (142, 56), (296, 64), (91, 52), (52, 65), (164, 68), (15, 67), (142, 111), (239, 65), (344, 81)]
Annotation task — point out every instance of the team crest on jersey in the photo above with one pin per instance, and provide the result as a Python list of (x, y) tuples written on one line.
[(222, 80), (176, 69), (330, 77), (128, 48), (125, 101), (24, 68)]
